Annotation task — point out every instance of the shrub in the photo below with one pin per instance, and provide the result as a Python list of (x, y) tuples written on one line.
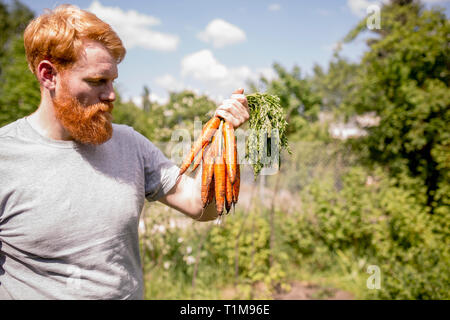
[(372, 220)]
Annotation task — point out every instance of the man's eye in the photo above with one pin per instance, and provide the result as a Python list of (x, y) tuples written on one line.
[(96, 82)]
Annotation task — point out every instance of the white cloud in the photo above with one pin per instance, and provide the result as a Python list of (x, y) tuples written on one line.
[(202, 65), (134, 28), (169, 82), (160, 99), (216, 78), (274, 7), (221, 33), (137, 100), (268, 73), (359, 7)]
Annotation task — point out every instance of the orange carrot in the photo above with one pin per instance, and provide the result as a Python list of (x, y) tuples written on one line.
[(207, 173), (211, 192), (228, 193), (199, 158), (208, 166), (236, 184), (215, 144), (230, 150), (220, 183), (207, 132)]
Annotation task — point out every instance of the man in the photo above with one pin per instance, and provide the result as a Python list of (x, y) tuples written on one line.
[(72, 184)]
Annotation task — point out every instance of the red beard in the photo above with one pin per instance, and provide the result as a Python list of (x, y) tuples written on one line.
[(85, 124)]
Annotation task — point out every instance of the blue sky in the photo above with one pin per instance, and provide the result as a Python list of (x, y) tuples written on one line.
[(213, 47)]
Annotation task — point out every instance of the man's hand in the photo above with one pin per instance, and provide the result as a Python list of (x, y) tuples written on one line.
[(234, 110)]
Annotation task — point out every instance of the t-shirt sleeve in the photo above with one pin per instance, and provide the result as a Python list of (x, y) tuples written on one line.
[(160, 172)]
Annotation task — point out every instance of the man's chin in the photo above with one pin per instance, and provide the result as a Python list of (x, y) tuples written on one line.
[(98, 138)]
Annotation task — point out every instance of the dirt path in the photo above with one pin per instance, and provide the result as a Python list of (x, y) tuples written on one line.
[(308, 291), (298, 291)]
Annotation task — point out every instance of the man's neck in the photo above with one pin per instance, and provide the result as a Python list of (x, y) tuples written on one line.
[(44, 121)]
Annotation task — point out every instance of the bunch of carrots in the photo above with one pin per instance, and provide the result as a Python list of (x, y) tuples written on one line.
[(221, 171), (220, 167)]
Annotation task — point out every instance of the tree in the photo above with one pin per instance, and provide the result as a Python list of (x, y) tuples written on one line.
[(13, 20), (300, 102), (146, 103), (336, 84), (182, 110), (404, 78), (128, 113), (19, 90)]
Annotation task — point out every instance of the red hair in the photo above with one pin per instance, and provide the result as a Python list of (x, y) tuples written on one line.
[(57, 36)]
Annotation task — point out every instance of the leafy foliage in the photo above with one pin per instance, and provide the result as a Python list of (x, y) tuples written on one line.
[(374, 222), (300, 103), (267, 123), (19, 90), (128, 113), (404, 79), (336, 84), (181, 111)]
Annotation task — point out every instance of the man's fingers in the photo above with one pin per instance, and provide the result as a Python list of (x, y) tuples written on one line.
[(242, 99), (239, 97), (233, 103), (236, 108), (228, 116)]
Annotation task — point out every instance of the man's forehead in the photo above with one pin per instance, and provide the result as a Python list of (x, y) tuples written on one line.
[(96, 61)]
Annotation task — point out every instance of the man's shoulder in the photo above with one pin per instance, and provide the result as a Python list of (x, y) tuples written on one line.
[(10, 130), (125, 132), (123, 128), (125, 135)]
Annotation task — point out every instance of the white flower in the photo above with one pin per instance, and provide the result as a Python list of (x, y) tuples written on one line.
[(190, 260), (167, 265), (180, 240), (172, 224), (141, 226), (161, 228), (149, 245), (188, 249)]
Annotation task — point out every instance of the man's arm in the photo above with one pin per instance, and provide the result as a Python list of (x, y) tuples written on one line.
[(185, 196)]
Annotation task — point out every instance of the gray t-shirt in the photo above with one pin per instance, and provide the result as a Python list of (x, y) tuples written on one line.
[(69, 213)]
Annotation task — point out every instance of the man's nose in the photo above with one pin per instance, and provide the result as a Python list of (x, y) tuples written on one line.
[(108, 94)]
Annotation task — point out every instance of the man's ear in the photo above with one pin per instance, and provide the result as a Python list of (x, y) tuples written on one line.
[(46, 73)]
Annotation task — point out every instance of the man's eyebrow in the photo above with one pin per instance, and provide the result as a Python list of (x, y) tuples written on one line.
[(100, 76)]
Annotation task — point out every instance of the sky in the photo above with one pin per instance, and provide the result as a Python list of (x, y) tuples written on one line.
[(214, 47)]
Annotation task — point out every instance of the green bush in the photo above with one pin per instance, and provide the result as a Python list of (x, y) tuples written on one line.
[(244, 242), (371, 220), (201, 260)]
